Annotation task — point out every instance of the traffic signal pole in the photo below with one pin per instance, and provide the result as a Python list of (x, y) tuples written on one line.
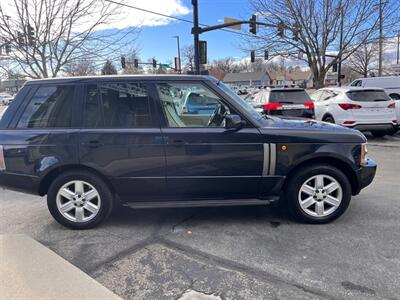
[(196, 33)]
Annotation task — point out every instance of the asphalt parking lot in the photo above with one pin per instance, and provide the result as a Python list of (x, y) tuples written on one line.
[(235, 252)]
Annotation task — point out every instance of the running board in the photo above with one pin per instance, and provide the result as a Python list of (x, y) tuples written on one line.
[(199, 203)]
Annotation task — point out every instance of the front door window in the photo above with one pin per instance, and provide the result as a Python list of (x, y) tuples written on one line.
[(191, 105)]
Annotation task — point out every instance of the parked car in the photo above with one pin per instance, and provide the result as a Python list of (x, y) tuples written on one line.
[(285, 102), (365, 109), (2, 112), (6, 99), (391, 84), (196, 103), (92, 143)]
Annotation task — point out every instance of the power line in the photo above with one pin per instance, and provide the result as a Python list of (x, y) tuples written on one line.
[(172, 17)]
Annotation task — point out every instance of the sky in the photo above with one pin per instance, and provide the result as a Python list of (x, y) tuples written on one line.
[(156, 39)]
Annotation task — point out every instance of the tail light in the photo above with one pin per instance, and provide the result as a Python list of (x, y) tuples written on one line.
[(347, 106), (392, 105), (309, 105), (348, 122), (272, 106), (2, 161)]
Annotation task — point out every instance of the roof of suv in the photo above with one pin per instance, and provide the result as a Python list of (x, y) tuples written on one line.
[(116, 77)]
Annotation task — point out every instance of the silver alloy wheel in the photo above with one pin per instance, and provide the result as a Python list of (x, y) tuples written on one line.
[(78, 201), (320, 195)]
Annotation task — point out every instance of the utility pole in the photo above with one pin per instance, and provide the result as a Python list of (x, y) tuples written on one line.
[(380, 38), (339, 78), (179, 54), (398, 46), (196, 36)]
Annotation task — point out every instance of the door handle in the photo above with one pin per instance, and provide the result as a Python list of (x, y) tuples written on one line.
[(92, 144)]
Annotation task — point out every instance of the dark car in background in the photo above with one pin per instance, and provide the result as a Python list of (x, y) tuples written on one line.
[(93, 143), (284, 102)]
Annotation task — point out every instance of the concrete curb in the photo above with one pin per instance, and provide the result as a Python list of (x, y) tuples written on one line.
[(28, 270)]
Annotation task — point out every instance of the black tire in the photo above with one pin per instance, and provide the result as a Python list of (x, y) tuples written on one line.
[(102, 188), (329, 119), (296, 181), (379, 134)]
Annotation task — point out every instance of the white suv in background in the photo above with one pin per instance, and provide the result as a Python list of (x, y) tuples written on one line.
[(365, 109)]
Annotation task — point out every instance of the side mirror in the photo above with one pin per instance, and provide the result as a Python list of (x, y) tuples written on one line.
[(234, 122)]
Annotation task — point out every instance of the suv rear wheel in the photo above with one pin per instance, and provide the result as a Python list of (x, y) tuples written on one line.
[(318, 194), (329, 119), (79, 200)]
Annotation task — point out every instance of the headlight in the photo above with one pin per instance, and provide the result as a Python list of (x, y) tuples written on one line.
[(364, 152)]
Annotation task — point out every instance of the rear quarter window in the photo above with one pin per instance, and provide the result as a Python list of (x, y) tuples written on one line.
[(368, 96), (49, 107)]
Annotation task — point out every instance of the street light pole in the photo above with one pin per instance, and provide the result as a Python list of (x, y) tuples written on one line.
[(339, 79), (179, 54), (196, 36), (380, 39), (398, 46)]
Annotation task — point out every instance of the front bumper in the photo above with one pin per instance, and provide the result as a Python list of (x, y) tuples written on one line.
[(365, 175)]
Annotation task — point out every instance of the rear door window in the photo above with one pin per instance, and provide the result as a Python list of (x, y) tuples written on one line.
[(368, 96), (290, 97), (117, 105), (49, 107)]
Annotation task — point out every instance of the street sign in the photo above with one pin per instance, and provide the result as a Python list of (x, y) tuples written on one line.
[(230, 20)]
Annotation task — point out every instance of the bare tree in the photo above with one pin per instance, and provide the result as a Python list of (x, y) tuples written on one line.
[(130, 63), (80, 68), (47, 35), (313, 28), (188, 57), (363, 61), (109, 68)]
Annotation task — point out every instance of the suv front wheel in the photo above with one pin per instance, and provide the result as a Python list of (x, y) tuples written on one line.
[(318, 194), (79, 200)]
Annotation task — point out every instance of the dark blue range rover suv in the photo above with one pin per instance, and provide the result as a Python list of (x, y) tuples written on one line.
[(91, 143)]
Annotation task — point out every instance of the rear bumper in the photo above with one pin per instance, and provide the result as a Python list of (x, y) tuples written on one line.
[(365, 175), (20, 183), (375, 127)]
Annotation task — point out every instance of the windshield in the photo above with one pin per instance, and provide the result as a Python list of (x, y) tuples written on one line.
[(245, 105)]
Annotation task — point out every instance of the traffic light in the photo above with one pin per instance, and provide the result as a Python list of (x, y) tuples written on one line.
[(252, 56), (266, 54), (281, 29), (253, 24), (334, 68), (154, 63), (31, 35), (8, 47), (123, 62), (203, 52), (136, 63)]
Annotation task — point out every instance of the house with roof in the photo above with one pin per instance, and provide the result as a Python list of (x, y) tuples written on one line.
[(247, 79), (294, 77)]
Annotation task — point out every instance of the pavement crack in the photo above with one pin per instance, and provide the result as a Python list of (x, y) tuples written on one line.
[(239, 267)]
